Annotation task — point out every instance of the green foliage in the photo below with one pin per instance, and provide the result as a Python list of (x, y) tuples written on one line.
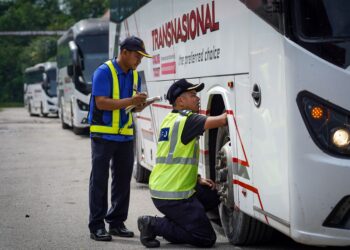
[(18, 52)]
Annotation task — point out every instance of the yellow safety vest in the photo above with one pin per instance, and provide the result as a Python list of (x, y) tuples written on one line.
[(174, 176), (115, 126)]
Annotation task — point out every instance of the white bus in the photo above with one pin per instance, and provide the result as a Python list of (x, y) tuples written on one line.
[(280, 70), (40, 89), (79, 52)]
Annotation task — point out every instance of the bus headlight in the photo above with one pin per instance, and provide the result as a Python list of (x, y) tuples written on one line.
[(341, 137), (327, 123), (82, 105)]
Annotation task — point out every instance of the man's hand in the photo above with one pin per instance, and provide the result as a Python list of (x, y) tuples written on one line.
[(139, 99), (206, 182), (140, 107)]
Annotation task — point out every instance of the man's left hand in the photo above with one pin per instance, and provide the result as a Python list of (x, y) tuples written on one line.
[(206, 182)]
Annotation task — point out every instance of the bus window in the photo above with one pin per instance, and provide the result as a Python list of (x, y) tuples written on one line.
[(95, 50), (323, 19), (121, 9), (269, 10), (51, 81)]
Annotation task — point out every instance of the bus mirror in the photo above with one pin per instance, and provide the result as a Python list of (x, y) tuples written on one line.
[(70, 71), (74, 50), (45, 78)]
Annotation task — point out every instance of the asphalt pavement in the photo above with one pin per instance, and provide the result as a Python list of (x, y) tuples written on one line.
[(44, 176)]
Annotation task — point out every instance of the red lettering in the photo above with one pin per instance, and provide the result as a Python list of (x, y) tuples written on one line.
[(193, 25), (215, 25), (179, 31), (188, 26), (207, 18), (184, 27), (200, 21)]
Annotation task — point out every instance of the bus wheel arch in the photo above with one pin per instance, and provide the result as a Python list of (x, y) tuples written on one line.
[(239, 228)]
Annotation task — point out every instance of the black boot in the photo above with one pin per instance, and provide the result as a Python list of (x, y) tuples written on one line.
[(147, 235)]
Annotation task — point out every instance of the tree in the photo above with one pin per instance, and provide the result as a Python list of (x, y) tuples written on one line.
[(17, 53)]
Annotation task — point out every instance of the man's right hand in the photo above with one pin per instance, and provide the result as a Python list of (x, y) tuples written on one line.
[(139, 98)]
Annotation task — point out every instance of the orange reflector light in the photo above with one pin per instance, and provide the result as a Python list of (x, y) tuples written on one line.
[(317, 112), (230, 85)]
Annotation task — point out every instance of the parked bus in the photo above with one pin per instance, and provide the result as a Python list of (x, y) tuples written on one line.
[(79, 52), (280, 70), (40, 97)]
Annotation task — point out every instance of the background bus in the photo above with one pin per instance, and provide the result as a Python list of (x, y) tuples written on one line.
[(79, 52), (280, 69), (40, 89)]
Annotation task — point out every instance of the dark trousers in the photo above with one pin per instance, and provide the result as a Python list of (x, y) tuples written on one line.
[(186, 221), (119, 156)]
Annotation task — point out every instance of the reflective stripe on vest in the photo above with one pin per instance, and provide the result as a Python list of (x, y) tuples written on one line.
[(114, 128), (170, 162)]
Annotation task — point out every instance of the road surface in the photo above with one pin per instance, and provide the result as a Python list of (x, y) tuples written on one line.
[(44, 176)]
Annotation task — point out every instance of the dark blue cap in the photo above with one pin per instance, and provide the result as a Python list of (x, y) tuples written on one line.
[(134, 43), (181, 86)]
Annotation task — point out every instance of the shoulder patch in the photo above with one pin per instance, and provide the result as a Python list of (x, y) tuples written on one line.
[(164, 134)]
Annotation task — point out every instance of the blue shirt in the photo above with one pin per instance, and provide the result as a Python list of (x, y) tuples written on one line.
[(102, 85)]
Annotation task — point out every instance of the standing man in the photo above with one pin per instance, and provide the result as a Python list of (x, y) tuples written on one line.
[(176, 189), (115, 86)]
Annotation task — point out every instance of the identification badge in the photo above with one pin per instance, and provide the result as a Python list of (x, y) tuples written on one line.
[(164, 134)]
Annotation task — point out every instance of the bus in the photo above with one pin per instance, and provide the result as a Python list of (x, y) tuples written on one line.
[(40, 89), (281, 71), (79, 52)]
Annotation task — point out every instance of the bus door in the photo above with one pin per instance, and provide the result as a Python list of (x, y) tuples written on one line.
[(267, 118), (243, 171)]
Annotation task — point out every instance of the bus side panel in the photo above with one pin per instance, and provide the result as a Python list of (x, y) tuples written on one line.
[(219, 51), (268, 154)]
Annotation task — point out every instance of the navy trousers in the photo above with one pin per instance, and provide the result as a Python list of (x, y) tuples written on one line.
[(185, 221), (119, 156)]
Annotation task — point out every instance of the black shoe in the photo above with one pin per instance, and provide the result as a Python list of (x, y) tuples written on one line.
[(100, 235), (121, 231), (147, 236)]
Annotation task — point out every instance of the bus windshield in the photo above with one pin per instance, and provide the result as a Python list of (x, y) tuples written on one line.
[(95, 52), (34, 77), (323, 19), (51, 78)]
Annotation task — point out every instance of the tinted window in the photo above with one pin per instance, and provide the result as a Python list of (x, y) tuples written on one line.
[(51, 78), (121, 9), (34, 77), (323, 18), (269, 10), (94, 49)]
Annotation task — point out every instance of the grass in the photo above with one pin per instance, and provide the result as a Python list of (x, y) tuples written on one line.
[(11, 104)]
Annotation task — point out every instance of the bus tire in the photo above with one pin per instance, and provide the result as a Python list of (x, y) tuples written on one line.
[(79, 131), (240, 228), (64, 125), (42, 110), (30, 110), (140, 173)]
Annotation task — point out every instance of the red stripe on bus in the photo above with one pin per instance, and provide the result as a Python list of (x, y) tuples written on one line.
[(252, 189), (230, 112), (143, 118), (241, 162), (204, 152), (168, 68), (147, 131), (204, 112), (162, 106)]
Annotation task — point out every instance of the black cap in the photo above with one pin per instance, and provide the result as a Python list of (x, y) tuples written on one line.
[(181, 86), (134, 43)]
